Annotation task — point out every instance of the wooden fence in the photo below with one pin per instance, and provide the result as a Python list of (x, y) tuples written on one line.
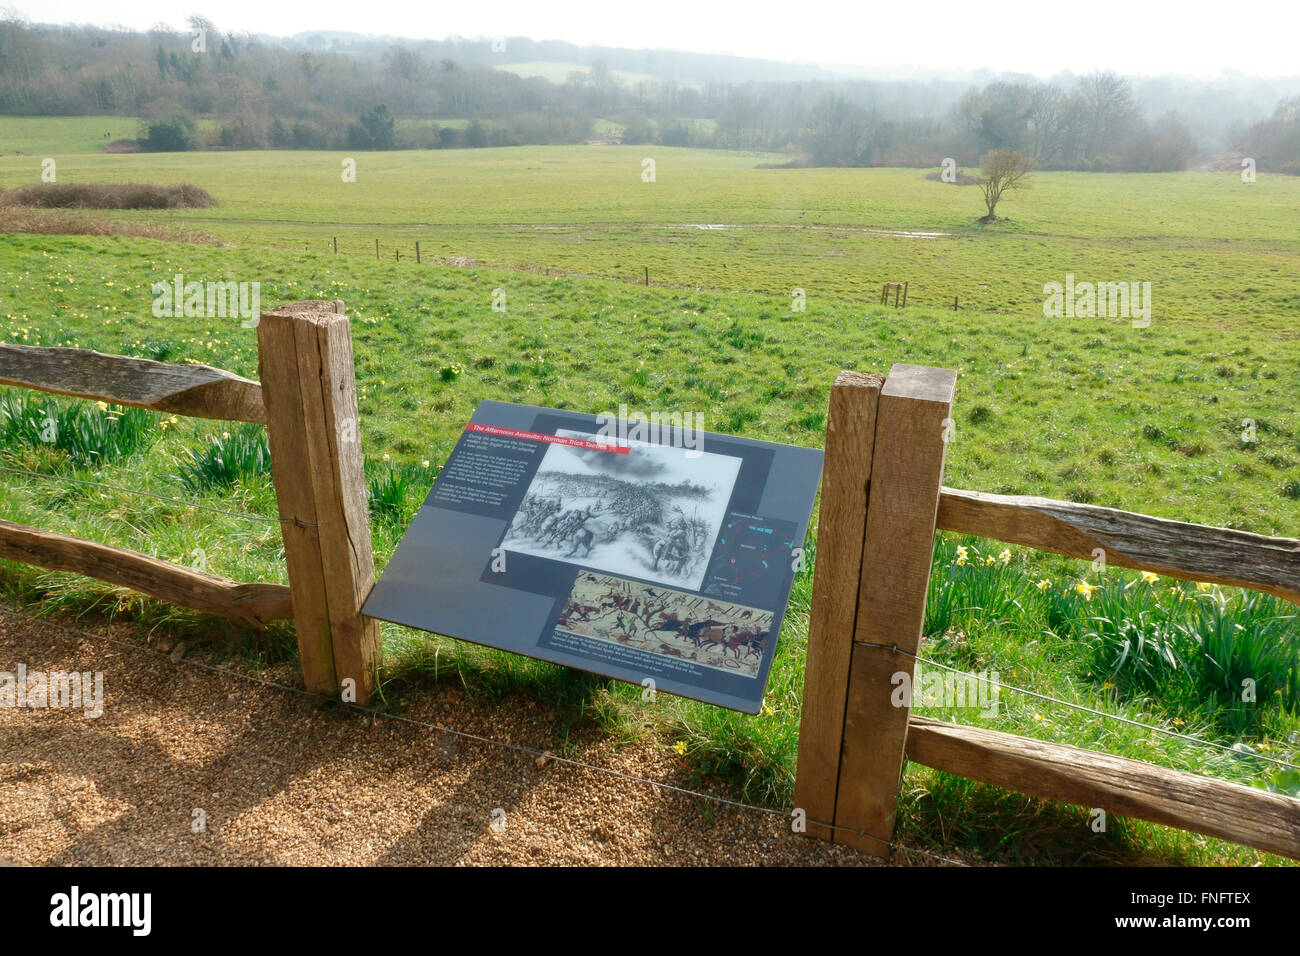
[(307, 401), (882, 501)]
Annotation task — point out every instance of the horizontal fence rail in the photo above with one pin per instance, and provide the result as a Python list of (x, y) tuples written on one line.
[(1131, 788), (196, 391), (259, 604), (1193, 552)]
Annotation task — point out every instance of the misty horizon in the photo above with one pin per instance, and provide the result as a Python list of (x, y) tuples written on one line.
[(879, 44)]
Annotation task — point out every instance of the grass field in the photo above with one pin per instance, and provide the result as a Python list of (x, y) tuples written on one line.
[(1149, 419), (42, 136)]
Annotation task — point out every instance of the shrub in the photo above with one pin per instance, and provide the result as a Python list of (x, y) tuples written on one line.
[(475, 135), (170, 136), (227, 459), (88, 434), (394, 493), (1230, 642), (1131, 639), (111, 196)]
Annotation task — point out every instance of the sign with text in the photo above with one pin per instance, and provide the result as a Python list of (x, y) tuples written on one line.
[(652, 553)]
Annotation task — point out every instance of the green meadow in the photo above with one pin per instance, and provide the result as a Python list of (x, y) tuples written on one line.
[(42, 136), (1192, 418)]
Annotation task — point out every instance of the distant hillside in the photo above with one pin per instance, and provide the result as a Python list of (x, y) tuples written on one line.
[(561, 72), (660, 64), (322, 90)]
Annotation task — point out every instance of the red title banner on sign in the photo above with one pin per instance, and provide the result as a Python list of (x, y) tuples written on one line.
[(552, 439)]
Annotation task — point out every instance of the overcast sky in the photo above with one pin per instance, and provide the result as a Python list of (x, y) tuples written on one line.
[(1257, 37)]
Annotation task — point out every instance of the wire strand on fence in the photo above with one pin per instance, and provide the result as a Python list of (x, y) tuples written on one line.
[(246, 516), (517, 748), (1067, 703)]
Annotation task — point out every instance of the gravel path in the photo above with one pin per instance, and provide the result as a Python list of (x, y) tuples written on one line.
[(278, 778)]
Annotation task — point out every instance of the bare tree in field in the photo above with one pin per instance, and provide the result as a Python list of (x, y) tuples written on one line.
[(1000, 170)]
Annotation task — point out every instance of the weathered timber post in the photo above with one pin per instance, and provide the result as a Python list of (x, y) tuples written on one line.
[(880, 494), (309, 388), (841, 525), (913, 423), (417, 252)]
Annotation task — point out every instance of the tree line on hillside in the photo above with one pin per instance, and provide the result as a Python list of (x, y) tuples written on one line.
[(211, 89)]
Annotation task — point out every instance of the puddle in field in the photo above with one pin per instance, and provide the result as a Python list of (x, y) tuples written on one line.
[(713, 226), (903, 233), (909, 235)]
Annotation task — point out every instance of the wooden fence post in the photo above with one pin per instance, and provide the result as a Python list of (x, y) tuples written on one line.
[(913, 422), (417, 252), (841, 524), (308, 385)]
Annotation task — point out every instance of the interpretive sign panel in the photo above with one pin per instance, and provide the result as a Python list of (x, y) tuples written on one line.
[(645, 550)]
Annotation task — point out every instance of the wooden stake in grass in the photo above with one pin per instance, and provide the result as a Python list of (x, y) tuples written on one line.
[(376, 248), (417, 252), (647, 275), (305, 365), (336, 245)]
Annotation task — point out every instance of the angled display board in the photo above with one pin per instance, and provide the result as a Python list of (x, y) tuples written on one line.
[(627, 549)]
